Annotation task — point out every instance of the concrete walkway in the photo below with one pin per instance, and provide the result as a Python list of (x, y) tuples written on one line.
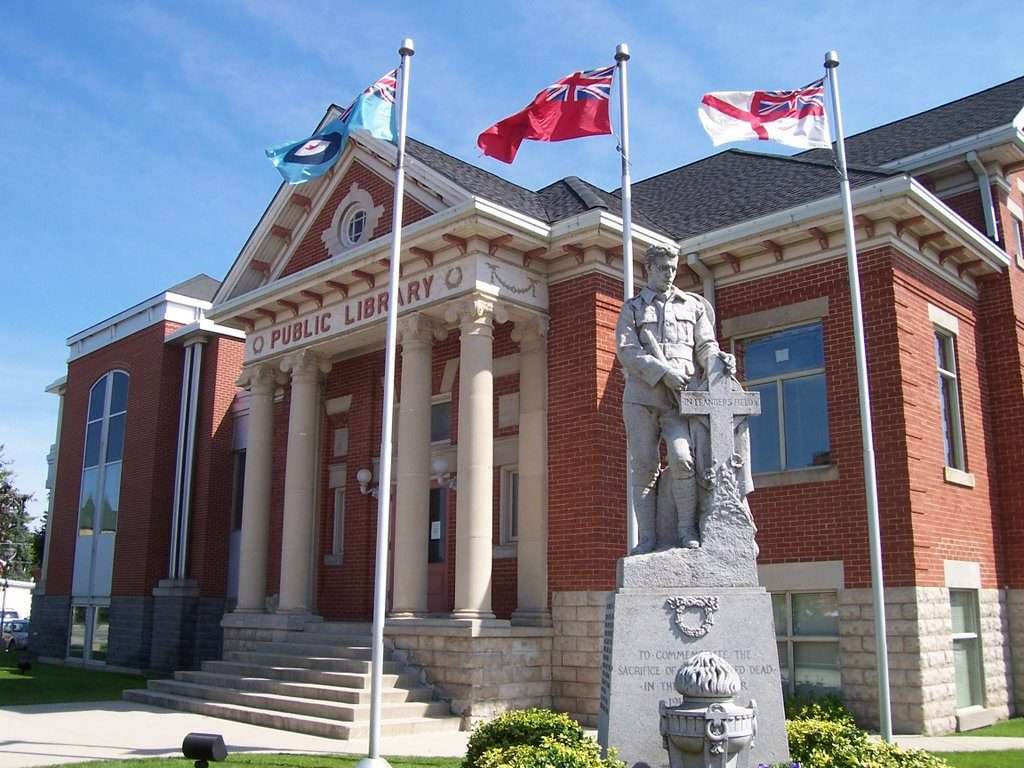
[(960, 743), (49, 734)]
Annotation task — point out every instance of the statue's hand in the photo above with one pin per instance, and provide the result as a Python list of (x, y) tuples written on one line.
[(674, 380), (729, 361)]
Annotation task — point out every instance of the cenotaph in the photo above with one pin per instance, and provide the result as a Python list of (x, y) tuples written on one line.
[(690, 586)]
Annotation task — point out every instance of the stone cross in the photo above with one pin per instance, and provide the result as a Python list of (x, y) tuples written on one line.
[(720, 403)]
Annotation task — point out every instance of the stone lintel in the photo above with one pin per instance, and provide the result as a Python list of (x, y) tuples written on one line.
[(245, 620)]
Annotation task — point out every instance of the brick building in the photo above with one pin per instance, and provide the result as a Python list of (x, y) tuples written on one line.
[(231, 431)]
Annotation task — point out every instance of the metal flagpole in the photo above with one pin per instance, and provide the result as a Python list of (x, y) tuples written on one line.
[(380, 590), (870, 484), (621, 57)]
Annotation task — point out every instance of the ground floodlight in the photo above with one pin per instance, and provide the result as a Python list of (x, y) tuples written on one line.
[(203, 747)]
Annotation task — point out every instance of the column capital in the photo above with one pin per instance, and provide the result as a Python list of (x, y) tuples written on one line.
[(476, 314), (531, 333), (420, 330), (264, 377), (305, 363)]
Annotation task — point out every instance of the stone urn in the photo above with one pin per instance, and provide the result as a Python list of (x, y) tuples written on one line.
[(708, 729)]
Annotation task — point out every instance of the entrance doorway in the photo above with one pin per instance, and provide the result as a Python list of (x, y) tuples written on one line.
[(437, 552)]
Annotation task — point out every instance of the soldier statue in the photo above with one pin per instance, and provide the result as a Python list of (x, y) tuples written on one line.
[(664, 335)]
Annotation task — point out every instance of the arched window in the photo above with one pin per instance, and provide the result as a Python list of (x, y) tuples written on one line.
[(104, 449)]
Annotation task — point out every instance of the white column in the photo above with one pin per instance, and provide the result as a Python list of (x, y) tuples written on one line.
[(51, 486), (474, 523), (307, 369), (260, 380), (532, 543), (412, 500)]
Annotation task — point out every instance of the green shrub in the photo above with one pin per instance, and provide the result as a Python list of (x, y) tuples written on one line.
[(829, 708), (523, 727), (550, 753), (827, 744)]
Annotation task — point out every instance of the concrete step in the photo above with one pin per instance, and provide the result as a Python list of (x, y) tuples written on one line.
[(315, 726), (263, 684), (319, 708), (329, 663), (304, 675), (325, 648)]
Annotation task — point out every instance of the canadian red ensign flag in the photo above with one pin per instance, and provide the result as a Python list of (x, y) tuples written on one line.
[(795, 118)]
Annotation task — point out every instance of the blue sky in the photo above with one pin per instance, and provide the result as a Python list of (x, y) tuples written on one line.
[(135, 131)]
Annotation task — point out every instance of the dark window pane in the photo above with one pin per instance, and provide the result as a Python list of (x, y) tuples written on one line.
[(76, 643), (961, 604), (119, 393), (950, 423), (100, 635), (513, 505), (816, 668), (92, 443), (783, 649), (96, 399), (815, 613), (237, 491), (441, 421), (806, 422), (779, 613), (764, 431), (115, 437), (794, 349), (436, 531), (111, 496)]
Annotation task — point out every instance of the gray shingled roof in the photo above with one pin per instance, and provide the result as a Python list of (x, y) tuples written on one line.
[(735, 186), (960, 119), (201, 286)]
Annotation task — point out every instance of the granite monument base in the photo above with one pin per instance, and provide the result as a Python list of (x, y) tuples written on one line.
[(651, 632)]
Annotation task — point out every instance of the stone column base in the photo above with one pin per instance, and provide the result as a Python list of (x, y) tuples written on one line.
[(1015, 611), (482, 667), (531, 618)]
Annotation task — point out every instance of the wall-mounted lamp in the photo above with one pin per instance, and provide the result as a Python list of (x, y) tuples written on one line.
[(366, 485), (441, 473)]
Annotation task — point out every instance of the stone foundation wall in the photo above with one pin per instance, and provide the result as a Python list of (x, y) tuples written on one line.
[(1015, 625), (481, 670), (49, 625), (578, 619), (921, 675), (131, 628)]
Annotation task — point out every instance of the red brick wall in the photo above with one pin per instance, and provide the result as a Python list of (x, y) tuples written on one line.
[(312, 250), (213, 474), (827, 521), (147, 483)]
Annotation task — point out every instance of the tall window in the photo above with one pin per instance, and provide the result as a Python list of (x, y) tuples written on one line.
[(807, 633), (441, 421), (963, 604), (949, 400), (104, 449), (338, 527), (1018, 231), (787, 368), (509, 504)]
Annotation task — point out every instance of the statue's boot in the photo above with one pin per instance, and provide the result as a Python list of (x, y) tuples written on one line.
[(684, 492)]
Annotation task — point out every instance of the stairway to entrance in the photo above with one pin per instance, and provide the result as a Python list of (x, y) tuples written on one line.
[(316, 681)]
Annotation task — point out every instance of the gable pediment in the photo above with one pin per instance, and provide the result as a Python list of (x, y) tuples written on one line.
[(348, 207)]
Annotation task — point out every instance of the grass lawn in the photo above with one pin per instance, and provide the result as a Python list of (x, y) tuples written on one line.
[(279, 761), (1013, 758), (1014, 727), (55, 684)]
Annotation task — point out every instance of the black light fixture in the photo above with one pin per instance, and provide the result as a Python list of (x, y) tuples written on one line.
[(203, 747)]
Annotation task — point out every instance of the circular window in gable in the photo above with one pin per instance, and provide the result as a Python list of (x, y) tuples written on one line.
[(353, 225)]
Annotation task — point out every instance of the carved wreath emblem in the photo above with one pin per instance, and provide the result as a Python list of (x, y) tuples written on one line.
[(707, 604), (453, 278)]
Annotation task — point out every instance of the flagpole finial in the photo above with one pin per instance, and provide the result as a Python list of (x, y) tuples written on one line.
[(408, 48), (622, 52), (831, 60)]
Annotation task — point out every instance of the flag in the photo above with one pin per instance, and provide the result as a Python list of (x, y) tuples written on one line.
[(573, 107), (795, 118), (372, 112)]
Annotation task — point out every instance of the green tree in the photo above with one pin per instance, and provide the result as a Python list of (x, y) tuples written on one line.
[(16, 540)]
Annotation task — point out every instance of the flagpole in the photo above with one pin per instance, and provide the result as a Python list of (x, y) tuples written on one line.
[(621, 57), (870, 483), (380, 591)]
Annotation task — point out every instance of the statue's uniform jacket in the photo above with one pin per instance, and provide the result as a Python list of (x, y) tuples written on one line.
[(656, 334)]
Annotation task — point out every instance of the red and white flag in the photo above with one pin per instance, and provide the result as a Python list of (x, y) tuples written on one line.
[(795, 118), (573, 107)]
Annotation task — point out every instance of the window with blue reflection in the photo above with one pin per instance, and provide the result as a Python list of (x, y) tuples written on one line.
[(787, 368)]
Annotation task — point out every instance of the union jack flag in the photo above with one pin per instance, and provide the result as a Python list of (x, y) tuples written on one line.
[(585, 84), (385, 88), (808, 101)]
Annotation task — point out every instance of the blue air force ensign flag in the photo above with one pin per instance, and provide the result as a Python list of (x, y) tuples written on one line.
[(372, 111)]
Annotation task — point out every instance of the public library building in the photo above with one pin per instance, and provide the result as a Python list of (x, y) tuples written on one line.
[(213, 481)]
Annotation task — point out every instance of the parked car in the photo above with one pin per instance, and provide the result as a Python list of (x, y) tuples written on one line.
[(15, 636)]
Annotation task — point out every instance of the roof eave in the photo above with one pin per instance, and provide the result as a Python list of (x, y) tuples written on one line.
[(954, 150)]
